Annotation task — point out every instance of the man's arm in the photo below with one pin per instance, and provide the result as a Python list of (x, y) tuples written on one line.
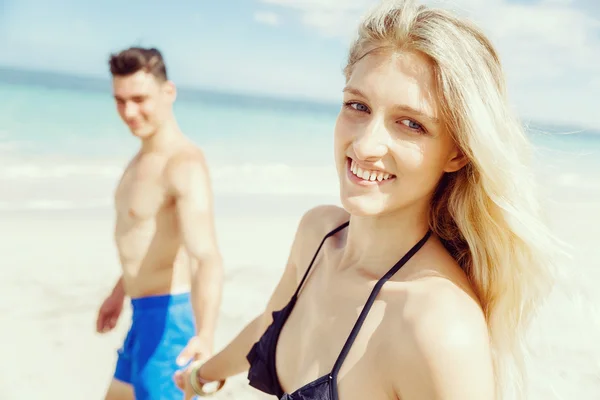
[(194, 203), (118, 289), (111, 308)]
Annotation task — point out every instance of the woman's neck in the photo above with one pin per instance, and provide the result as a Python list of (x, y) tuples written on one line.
[(375, 244)]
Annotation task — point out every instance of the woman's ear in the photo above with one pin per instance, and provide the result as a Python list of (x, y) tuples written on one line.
[(456, 161)]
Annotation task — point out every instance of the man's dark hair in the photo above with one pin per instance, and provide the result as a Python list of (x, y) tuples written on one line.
[(134, 59)]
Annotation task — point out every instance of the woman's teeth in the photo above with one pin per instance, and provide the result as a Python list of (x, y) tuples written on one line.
[(367, 175)]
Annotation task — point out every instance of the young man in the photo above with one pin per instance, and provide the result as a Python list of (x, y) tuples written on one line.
[(165, 236)]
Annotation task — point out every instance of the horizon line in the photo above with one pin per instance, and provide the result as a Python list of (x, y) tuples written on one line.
[(186, 87), (90, 82)]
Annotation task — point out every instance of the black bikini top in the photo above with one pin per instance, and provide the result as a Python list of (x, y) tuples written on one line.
[(262, 374)]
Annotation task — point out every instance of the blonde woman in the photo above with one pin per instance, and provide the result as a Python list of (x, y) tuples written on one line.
[(422, 285)]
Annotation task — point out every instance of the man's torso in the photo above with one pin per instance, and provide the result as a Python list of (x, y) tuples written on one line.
[(147, 230)]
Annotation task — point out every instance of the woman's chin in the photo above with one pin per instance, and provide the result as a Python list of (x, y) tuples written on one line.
[(363, 206)]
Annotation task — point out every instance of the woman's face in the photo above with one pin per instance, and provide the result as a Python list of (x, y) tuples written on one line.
[(391, 147)]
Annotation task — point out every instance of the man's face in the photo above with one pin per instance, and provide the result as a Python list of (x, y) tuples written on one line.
[(143, 102)]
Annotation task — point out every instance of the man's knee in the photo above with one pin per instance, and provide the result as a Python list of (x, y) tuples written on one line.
[(118, 390)]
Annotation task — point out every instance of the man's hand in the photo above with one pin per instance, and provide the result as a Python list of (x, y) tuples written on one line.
[(197, 349), (109, 312)]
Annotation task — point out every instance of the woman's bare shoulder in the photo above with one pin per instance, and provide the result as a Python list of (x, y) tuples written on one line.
[(314, 225), (440, 304), (322, 219), (441, 338)]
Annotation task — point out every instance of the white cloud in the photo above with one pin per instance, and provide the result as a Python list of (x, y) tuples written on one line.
[(550, 50), (329, 17), (562, 2), (267, 18), (321, 5)]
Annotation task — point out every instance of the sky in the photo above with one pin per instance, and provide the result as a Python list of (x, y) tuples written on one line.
[(550, 49)]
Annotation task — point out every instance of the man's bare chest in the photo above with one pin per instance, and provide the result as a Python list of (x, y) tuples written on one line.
[(142, 193)]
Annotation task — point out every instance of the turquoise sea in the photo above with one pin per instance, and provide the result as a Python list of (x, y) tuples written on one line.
[(62, 144)]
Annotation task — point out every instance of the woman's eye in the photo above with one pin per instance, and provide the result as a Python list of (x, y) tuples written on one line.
[(412, 124), (357, 106), (360, 107)]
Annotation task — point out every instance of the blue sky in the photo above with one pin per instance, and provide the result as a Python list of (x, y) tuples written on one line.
[(296, 48)]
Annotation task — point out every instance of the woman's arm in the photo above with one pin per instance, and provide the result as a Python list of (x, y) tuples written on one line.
[(232, 359)]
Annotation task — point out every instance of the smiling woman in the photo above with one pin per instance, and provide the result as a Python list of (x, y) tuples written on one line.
[(422, 286)]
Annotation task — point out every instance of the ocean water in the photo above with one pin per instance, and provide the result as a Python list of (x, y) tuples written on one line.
[(64, 147)]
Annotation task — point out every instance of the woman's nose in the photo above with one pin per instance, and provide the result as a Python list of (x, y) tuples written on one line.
[(371, 142)]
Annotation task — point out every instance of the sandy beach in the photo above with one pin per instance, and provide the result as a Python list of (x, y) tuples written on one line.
[(58, 265)]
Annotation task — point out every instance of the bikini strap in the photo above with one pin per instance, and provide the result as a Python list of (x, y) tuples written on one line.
[(331, 233), (369, 304)]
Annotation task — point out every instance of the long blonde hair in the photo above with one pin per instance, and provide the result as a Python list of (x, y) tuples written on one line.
[(486, 214)]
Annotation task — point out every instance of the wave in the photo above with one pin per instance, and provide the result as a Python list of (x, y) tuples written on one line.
[(88, 184), (53, 205), (272, 176), (39, 171), (37, 185)]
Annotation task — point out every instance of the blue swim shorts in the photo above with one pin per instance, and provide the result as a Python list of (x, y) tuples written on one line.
[(161, 327)]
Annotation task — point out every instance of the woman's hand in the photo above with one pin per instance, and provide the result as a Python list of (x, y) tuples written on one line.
[(182, 380), (190, 381)]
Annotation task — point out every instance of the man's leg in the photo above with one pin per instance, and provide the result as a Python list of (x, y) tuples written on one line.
[(118, 390), (120, 387)]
